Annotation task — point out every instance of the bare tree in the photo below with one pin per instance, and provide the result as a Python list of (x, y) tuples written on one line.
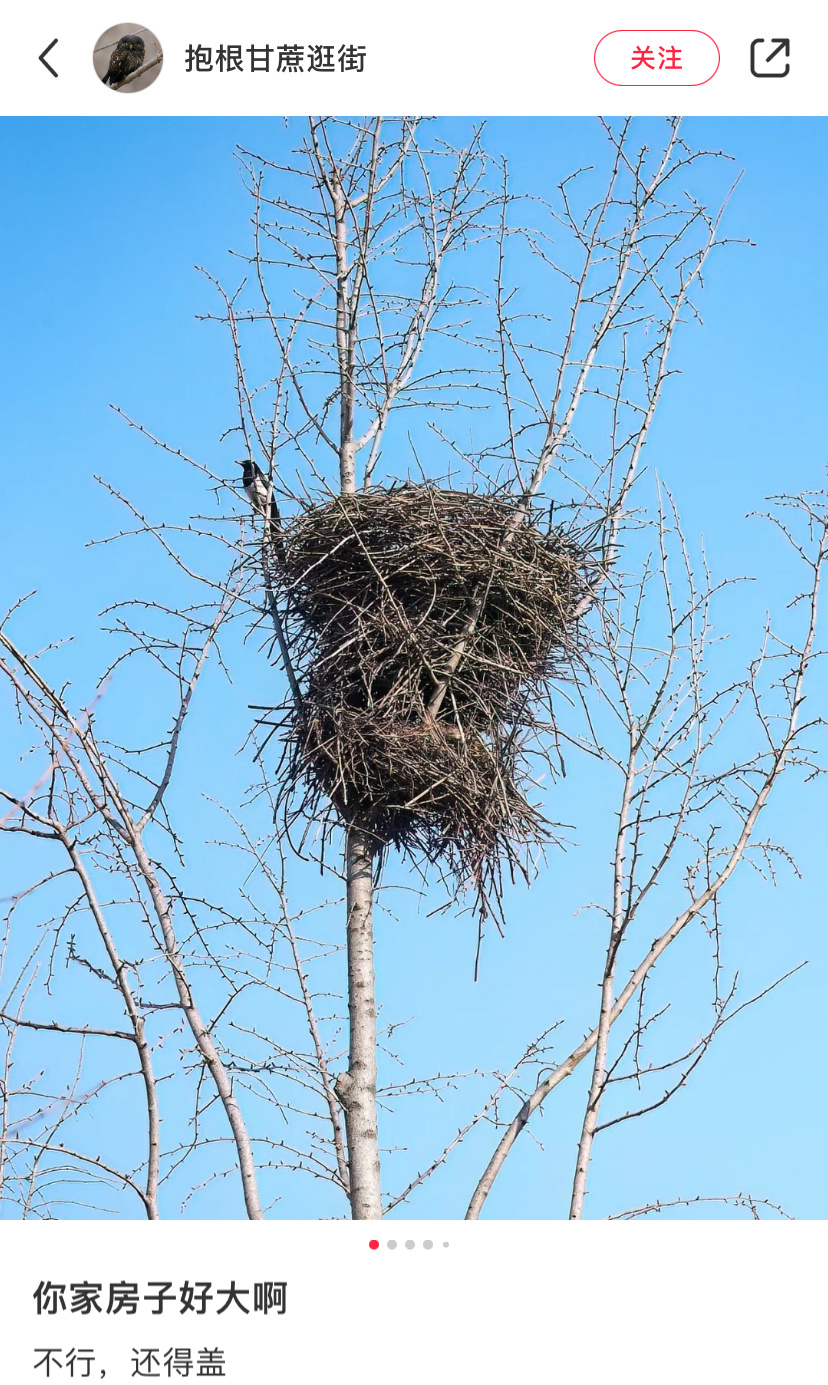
[(366, 236), (353, 341), (687, 815), (385, 287), (83, 808)]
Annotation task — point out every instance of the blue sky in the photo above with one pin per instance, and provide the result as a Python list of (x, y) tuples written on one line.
[(103, 223)]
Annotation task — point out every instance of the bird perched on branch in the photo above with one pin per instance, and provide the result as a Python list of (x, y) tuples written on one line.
[(127, 56), (260, 494)]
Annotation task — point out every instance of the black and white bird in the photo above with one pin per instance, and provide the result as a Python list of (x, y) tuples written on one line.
[(260, 494)]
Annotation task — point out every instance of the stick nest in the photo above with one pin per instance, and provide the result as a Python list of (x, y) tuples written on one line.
[(380, 588)]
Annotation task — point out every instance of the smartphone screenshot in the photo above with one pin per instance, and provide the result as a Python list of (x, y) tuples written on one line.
[(413, 762)]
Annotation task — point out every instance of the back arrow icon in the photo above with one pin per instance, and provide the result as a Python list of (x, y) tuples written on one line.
[(42, 57)]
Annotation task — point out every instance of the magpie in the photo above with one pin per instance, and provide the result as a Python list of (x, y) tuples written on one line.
[(259, 493)]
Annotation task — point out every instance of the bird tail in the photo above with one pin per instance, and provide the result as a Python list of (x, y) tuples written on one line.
[(277, 543)]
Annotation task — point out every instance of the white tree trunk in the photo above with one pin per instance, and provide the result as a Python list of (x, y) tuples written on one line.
[(357, 1088)]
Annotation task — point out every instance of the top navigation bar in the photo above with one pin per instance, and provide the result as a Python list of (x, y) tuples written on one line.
[(519, 59)]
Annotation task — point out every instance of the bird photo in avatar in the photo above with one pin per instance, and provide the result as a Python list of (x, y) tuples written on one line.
[(127, 57), (259, 493)]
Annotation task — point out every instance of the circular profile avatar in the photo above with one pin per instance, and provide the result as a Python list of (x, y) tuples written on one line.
[(127, 58)]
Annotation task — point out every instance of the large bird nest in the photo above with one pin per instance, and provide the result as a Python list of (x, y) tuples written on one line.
[(379, 589)]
